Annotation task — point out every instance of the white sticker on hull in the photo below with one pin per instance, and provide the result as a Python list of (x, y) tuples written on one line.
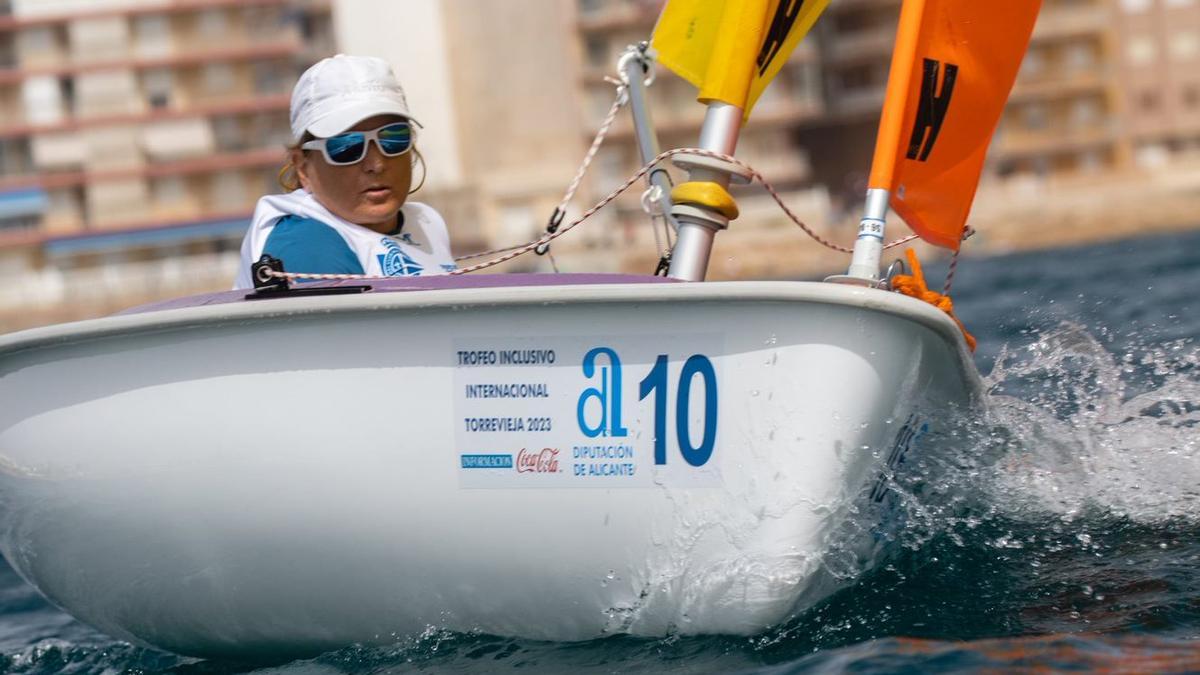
[(566, 412)]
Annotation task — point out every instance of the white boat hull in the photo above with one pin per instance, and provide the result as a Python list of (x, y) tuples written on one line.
[(295, 475)]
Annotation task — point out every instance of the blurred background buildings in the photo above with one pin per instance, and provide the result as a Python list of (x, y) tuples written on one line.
[(136, 135)]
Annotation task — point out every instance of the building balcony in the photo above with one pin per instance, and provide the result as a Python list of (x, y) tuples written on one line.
[(20, 238), (21, 210), (13, 22), (1067, 23), (250, 159), (805, 53), (1013, 143), (785, 112), (257, 104), (123, 236), (783, 169), (864, 45), (680, 122), (1057, 85), (842, 6), (620, 16), (859, 101), (248, 52)]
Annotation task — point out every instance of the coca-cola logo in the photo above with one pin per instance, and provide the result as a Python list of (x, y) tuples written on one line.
[(543, 461)]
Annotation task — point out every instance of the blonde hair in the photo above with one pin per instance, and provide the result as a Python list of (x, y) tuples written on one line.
[(418, 157), (289, 180)]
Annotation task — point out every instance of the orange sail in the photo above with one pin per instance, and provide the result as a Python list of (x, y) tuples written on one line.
[(953, 67)]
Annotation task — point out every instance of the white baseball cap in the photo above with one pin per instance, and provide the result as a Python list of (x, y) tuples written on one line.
[(340, 91)]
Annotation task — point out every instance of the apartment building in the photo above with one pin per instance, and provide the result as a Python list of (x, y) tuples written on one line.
[(1066, 116), (133, 125), (1158, 64)]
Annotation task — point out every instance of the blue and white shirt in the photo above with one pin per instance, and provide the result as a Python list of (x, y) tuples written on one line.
[(295, 228)]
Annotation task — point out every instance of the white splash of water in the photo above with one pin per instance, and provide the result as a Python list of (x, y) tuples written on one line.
[(1083, 438)]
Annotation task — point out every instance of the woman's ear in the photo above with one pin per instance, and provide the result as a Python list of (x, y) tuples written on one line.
[(300, 161)]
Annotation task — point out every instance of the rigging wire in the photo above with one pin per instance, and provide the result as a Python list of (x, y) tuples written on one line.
[(968, 232), (560, 211)]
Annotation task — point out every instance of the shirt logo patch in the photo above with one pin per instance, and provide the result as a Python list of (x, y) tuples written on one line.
[(395, 263)]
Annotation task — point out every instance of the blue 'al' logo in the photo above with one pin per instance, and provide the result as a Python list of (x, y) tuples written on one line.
[(607, 396), (395, 263)]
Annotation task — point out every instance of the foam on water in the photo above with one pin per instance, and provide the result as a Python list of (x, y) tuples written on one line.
[(1069, 430), (1070, 504), (1085, 439)]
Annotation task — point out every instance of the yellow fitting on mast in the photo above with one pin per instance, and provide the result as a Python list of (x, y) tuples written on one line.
[(707, 194)]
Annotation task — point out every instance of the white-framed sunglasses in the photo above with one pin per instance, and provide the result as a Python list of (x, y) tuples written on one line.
[(350, 147)]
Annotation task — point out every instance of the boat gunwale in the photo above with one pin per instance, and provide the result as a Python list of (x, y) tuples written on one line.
[(872, 299)]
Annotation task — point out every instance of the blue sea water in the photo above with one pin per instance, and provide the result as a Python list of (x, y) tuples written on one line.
[(1075, 546)]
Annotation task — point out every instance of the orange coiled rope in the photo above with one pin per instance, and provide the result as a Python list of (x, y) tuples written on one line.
[(914, 286)]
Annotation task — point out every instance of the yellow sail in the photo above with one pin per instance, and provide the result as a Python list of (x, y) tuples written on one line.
[(731, 49)]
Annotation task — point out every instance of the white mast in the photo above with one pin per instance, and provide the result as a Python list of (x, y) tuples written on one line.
[(698, 226), (868, 247)]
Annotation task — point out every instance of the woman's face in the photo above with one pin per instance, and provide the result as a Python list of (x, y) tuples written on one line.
[(368, 193)]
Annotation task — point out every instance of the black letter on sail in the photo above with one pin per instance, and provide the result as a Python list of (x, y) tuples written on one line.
[(781, 24), (932, 110)]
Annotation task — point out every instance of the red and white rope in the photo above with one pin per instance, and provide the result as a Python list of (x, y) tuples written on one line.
[(619, 102)]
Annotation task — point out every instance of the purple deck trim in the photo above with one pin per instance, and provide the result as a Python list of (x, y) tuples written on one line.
[(429, 283)]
